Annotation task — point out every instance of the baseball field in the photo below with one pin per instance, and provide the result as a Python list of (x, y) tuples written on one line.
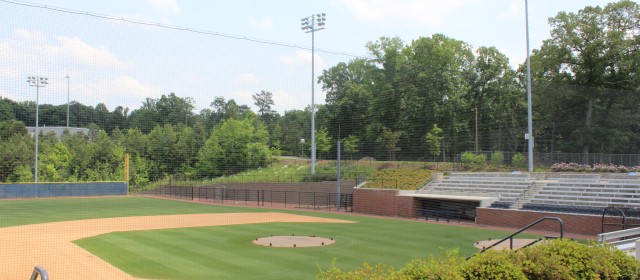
[(148, 238)]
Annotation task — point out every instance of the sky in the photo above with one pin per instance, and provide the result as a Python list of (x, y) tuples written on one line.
[(232, 49)]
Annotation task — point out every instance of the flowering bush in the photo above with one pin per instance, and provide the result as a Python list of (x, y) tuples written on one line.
[(598, 167)]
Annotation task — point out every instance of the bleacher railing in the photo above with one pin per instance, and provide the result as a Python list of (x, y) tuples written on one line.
[(39, 272), (510, 237)]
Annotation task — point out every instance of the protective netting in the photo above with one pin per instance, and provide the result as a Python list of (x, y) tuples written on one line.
[(193, 104)]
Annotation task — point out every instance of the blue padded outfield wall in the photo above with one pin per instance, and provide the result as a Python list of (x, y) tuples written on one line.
[(62, 189)]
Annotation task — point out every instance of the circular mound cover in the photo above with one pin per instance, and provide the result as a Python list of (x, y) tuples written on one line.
[(293, 241)]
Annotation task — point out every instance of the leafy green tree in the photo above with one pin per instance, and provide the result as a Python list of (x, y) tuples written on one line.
[(592, 49), (54, 163), (493, 90), (17, 152), (264, 101), (12, 127), (163, 151), (134, 142), (387, 52), (296, 125), (436, 83), (350, 145), (139, 171), (7, 109), (323, 142), (434, 140), (22, 173), (233, 147), (390, 139), (174, 110), (349, 87), (145, 118)]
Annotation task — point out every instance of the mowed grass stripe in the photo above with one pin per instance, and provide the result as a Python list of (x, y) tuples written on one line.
[(371, 240), (34, 211), (181, 254), (138, 262)]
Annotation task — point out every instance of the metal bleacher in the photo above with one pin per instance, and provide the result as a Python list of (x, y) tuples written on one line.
[(551, 192), (505, 187), (589, 190)]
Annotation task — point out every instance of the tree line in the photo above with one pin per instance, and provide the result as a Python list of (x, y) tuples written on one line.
[(433, 98), (408, 97)]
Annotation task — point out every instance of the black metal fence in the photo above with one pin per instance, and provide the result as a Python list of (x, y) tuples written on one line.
[(253, 197)]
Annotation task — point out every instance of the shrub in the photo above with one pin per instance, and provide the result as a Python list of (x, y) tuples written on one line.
[(366, 272), (468, 157), (492, 265), (497, 158), (472, 158), (444, 268), (557, 259), (480, 159), (518, 160)]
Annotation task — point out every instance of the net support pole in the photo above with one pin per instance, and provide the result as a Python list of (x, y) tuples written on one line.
[(338, 179)]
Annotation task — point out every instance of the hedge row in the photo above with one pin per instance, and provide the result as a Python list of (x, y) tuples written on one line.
[(558, 259)]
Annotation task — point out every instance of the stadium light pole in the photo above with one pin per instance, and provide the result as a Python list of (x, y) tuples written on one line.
[(312, 24), (37, 82), (529, 119), (68, 81)]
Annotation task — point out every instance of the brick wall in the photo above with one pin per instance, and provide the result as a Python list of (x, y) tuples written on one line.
[(383, 203), (573, 223)]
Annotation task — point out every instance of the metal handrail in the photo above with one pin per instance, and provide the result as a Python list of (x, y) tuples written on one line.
[(510, 237), (624, 218), (39, 271)]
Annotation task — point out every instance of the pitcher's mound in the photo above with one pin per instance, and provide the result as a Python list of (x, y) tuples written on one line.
[(293, 241)]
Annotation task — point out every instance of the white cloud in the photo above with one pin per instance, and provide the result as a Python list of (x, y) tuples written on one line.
[(88, 54), (284, 100), (9, 73), (242, 97), (31, 48), (7, 51), (245, 79), (430, 12), (515, 11), (14, 97), (128, 86), (264, 24), (33, 36), (302, 58), (165, 5), (123, 91)]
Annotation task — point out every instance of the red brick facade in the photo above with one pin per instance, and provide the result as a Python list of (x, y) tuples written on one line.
[(573, 223), (383, 203), (388, 203)]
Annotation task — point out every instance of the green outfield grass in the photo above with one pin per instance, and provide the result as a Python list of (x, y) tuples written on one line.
[(226, 252), (34, 211)]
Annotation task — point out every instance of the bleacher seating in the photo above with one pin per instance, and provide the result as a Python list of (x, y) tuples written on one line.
[(589, 190), (555, 192), (507, 187), (563, 208), (501, 204)]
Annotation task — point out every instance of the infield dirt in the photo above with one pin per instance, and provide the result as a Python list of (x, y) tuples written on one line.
[(51, 245)]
